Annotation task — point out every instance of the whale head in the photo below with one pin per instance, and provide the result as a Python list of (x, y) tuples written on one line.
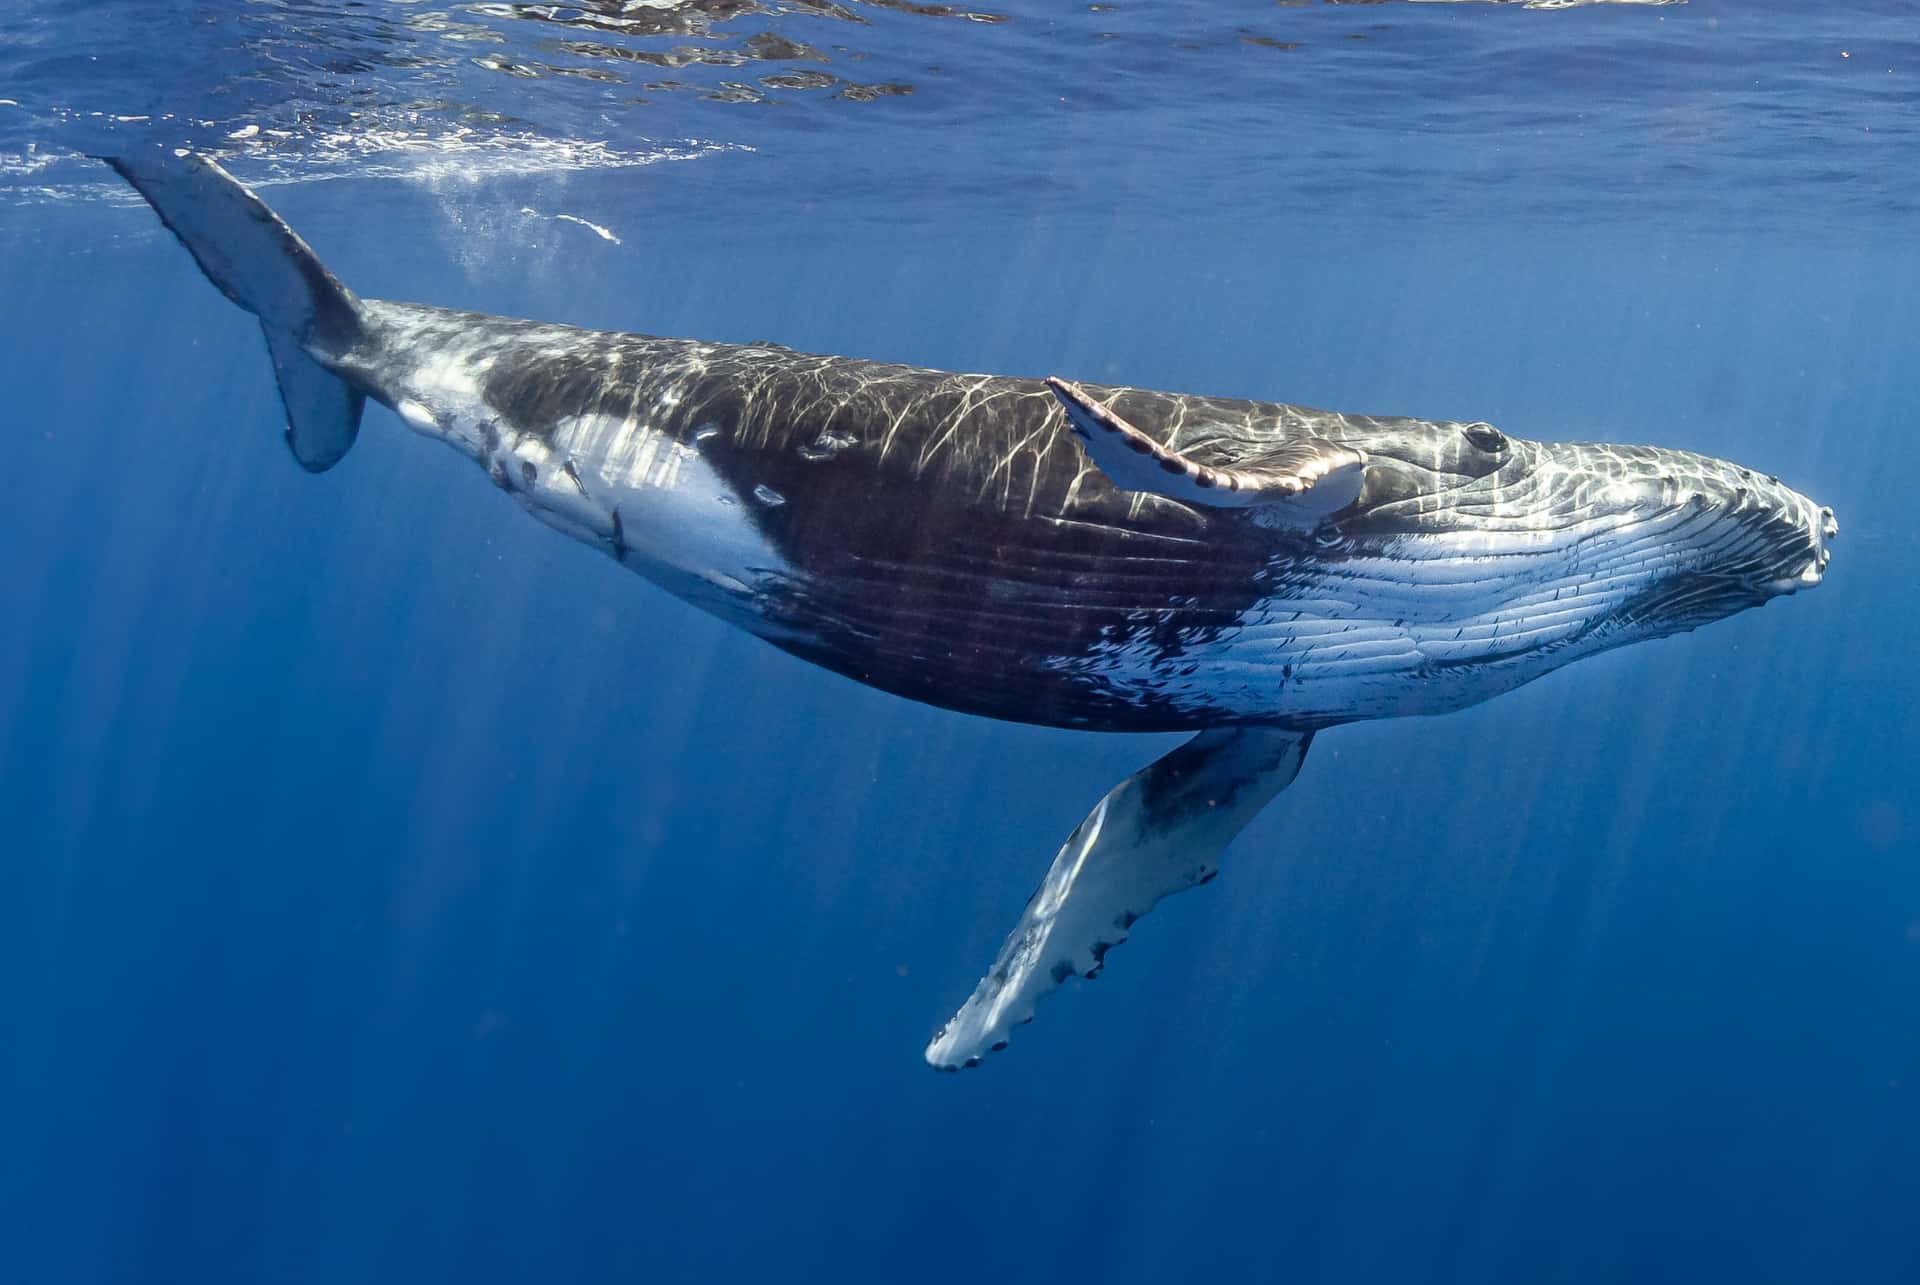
[(1419, 566), (1538, 552)]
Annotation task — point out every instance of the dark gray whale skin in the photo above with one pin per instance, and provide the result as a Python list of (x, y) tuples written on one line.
[(943, 535), (946, 537)]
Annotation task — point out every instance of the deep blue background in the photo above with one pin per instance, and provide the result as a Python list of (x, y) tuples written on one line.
[(391, 890)]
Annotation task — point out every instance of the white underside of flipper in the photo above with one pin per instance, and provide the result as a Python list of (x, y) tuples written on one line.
[(1158, 832)]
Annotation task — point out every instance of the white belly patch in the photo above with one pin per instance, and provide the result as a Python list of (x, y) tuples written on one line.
[(613, 481), (664, 508)]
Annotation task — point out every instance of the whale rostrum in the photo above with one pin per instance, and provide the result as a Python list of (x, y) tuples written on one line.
[(1042, 551)]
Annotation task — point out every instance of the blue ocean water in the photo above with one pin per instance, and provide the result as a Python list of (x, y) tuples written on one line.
[(391, 890)]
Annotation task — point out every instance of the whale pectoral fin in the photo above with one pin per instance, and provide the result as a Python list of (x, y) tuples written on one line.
[(1158, 832), (1302, 480)]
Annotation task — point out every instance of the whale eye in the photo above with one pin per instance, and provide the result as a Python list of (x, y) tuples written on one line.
[(1486, 437)]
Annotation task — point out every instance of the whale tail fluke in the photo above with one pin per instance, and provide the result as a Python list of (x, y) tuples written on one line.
[(257, 261)]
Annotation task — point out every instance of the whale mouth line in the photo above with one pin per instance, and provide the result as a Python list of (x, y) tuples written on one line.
[(1810, 575)]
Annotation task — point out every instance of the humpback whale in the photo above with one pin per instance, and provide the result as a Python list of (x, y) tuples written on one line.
[(1037, 550)]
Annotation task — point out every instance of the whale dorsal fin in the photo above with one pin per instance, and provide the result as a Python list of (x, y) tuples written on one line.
[(1303, 479)]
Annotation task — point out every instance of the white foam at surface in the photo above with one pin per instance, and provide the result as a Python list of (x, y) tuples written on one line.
[(405, 145)]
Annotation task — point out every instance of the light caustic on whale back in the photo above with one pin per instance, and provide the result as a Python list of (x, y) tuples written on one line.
[(1102, 558)]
